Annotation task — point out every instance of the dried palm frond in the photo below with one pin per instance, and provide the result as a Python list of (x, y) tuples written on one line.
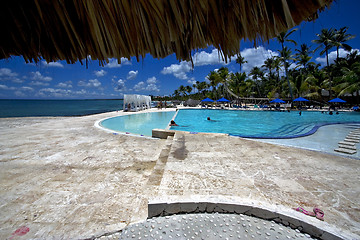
[(73, 30)]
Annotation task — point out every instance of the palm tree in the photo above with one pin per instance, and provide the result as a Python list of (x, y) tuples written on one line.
[(349, 79), (237, 83), (282, 38), (302, 55), (240, 60), (188, 89), (182, 90), (285, 56), (326, 39), (257, 74), (195, 85), (269, 64), (340, 38), (201, 86), (176, 93)]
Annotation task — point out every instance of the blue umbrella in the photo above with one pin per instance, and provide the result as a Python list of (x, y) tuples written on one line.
[(207, 100), (222, 100), (337, 100), (300, 99), (277, 100)]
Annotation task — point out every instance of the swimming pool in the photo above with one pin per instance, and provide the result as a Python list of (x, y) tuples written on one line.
[(259, 124), (141, 123), (249, 124)]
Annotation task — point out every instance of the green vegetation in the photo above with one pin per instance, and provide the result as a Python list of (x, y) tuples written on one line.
[(306, 79)]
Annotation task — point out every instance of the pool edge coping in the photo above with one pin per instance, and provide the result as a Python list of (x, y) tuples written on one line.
[(277, 213)]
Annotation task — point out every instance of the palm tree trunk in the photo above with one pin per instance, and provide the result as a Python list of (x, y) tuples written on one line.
[(330, 75), (288, 82)]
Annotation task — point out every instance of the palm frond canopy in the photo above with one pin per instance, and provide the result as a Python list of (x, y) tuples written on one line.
[(74, 30)]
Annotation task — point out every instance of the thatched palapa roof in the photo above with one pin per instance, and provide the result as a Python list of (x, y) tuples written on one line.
[(72, 30)]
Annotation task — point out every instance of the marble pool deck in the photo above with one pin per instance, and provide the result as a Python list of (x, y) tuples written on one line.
[(64, 178)]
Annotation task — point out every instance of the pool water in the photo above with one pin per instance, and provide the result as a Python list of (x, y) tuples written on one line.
[(141, 124), (259, 124)]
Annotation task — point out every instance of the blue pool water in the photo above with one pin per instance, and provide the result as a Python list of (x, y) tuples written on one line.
[(251, 124), (259, 124), (141, 124)]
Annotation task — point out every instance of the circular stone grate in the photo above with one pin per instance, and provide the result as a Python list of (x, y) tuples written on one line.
[(210, 226)]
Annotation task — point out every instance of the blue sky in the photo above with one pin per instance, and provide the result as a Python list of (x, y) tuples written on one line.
[(150, 76)]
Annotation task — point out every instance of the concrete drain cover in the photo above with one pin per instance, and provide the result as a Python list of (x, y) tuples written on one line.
[(210, 226)]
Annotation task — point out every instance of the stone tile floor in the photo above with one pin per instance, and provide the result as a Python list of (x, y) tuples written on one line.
[(62, 178)]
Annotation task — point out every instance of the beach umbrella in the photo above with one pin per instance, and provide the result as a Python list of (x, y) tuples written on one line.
[(300, 99), (207, 100), (337, 100), (277, 100), (222, 100)]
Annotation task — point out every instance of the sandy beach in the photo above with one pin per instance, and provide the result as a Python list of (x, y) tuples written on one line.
[(64, 178)]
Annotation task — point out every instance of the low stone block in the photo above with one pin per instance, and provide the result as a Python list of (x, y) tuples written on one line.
[(156, 209), (330, 236), (172, 208), (162, 133), (210, 207), (351, 140), (347, 146), (262, 213), (189, 207), (345, 150)]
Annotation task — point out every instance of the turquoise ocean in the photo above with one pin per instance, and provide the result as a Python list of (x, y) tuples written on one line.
[(54, 108)]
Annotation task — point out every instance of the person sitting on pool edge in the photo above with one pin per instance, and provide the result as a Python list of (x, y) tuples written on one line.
[(172, 123)]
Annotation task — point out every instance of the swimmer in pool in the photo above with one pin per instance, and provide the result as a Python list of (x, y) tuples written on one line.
[(209, 119), (172, 123)]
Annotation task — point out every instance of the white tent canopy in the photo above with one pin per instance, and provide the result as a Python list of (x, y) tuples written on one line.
[(134, 102)]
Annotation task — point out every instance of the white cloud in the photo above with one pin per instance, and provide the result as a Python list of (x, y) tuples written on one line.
[(151, 80), (178, 70), (7, 74), (132, 75), (113, 63), (38, 83), (37, 76), (91, 83), (200, 59), (332, 56), (120, 85), (150, 85), (4, 87), (139, 86), (67, 84), (191, 81), (100, 73), (255, 57), (19, 94), (17, 80), (30, 89), (152, 88), (81, 92), (203, 58), (53, 64), (52, 92)]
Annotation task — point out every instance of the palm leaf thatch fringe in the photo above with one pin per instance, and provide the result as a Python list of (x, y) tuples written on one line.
[(74, 30)]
